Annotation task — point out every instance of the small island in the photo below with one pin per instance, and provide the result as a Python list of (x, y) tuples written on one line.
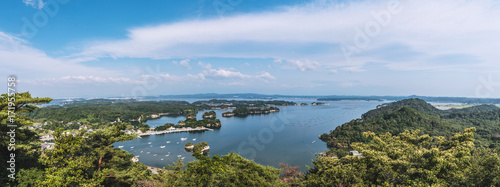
[(209, 123), (318, 103), (189, 146), (201, 147), (227, 114), (209, 115), (244, 111)]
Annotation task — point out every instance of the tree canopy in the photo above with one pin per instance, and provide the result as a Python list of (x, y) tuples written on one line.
[(410, 159)]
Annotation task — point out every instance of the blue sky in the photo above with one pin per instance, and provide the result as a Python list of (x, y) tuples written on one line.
[(76, 48)]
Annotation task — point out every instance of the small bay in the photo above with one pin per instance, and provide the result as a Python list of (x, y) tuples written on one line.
[(289, 136)]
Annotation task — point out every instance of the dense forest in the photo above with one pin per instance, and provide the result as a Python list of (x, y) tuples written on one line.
[(110, 110), (107, 110), (412, 114), (406, 143)]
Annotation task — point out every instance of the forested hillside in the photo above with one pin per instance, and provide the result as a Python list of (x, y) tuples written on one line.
[(412, 114)]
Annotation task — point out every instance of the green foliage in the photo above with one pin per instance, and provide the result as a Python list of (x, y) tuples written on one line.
[(227, 170), (241, 111), (210, 115), (103, 111), (143, 127), (417, 104), (415, 114), (107, 110), (164, 127), (244, 111), (199, 146), (409, 160), (90, 159), (27, 141), (209, 123)]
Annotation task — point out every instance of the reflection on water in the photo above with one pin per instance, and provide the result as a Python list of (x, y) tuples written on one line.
[(290, 136)]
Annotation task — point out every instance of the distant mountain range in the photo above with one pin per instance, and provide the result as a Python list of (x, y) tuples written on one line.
[(466, 100), (330, 97)]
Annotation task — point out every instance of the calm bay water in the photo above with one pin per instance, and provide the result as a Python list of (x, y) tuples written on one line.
[(286, 136)]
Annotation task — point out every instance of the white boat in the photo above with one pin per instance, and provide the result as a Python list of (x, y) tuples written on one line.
[(138, 156), (155, 155), (161, 159), (142, 151), (148, 152), (120, 146), (162, 146), (168, 141), (132, 147), (179, 156), (194, 139), (314, 141), (183, 158), (183, 139), (149, 142)]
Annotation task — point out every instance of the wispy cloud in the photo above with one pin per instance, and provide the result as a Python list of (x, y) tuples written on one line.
[(429, 28), (17, 56), (183, 63), (38, 4)]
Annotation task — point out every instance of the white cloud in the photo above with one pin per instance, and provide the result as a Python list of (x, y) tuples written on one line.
[(27, 62), (38, 4), (431, 28), (266, 75), (232, 74), (183, 63), (225, 73), (204, 65), (302, 65)]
